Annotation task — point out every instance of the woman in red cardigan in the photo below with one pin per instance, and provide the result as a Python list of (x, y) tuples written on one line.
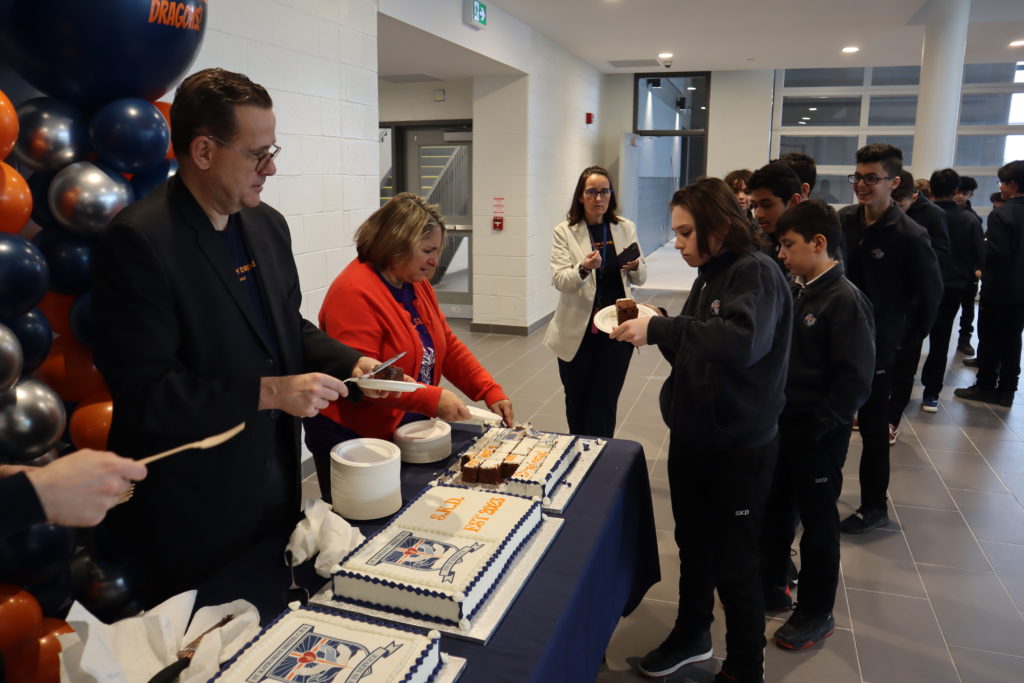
[(383, 304)]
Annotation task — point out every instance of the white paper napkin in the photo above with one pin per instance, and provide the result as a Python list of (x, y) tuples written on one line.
[(323, 532)]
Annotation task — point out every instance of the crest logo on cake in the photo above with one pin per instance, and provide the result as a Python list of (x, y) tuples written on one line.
[(423, 554), (316, 658)]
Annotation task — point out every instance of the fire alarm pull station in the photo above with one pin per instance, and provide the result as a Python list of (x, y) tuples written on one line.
[(498, 223)]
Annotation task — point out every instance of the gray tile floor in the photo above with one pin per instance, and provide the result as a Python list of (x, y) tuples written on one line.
[(937, 596)]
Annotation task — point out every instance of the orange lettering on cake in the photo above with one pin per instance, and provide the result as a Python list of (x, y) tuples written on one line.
[(447, 508), (480, 518)]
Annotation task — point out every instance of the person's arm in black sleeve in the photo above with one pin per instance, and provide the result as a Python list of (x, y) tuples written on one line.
[(998, 242), (977, 247), (20, 507), (926, 284), (743, 331), (851, 362)]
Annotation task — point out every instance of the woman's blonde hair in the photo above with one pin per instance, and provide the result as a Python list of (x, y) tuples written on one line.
[(389, 235)]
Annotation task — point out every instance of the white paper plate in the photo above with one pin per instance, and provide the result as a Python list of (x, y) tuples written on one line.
[(388, 385), (484, 415), (607, 318)]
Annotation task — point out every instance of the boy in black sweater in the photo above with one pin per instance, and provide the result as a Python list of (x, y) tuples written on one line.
[(889, 257), (831, 365)]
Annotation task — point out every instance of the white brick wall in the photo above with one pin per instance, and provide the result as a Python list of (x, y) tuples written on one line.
[(318, 59)]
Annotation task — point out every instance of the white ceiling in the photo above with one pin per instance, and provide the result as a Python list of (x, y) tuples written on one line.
[(725, 34)]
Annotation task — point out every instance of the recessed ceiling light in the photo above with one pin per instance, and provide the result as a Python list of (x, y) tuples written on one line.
[(850, 49), (665, 55), (812, 109), (802, 123), (806, 118), (703, 107), (691, 87), (1017, 43)]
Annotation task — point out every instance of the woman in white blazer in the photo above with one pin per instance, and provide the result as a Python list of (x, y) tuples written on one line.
[(586, 270)]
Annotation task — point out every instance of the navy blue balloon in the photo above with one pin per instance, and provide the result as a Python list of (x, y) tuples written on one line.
[(93, 53), (39, 186), (69, 258), (35, 336), (24, 276), (131, 135), (80, 319), (146, 182), (35, 554)]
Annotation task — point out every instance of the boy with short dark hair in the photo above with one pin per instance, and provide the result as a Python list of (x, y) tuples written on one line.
[(1001, 311), (773, 188), (831, 364), (805, 169), (889, 257)]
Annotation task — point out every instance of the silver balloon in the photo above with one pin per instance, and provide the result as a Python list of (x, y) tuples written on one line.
[(32, 418), (83, 197), (10, 358), (51, 134)]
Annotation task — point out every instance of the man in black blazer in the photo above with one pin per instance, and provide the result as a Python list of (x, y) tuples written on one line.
[(197, 328)]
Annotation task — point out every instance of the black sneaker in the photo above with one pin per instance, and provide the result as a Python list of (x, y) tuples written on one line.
[(801, 631), (864, 521), (970, 362), (1004, 398), (965, 348), (976, 393), (777, 599), (676, 652)]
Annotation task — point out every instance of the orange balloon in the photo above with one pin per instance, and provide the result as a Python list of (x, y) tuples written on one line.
[(20, 620), (15, 200), (69, 370), (8, 125), (57, 309), (90, 424), (48, 669), (165, 109)]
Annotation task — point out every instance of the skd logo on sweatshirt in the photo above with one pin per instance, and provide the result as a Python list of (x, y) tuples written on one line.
[(809, 320), (716, 306), (877, 253)]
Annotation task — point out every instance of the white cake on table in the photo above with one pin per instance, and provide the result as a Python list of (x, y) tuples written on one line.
[(441, 556), (528, 463), (312, 644)]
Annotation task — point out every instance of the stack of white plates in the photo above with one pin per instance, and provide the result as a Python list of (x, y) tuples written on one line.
[(366, 478), (424, 441)]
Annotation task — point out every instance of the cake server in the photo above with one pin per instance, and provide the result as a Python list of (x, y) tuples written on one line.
[(171, 672), (377, 368)]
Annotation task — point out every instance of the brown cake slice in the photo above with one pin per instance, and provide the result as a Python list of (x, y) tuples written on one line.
[(391, 372), (626, 309)]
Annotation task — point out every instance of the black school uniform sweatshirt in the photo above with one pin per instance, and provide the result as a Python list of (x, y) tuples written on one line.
[(832, 357), (729, 349), (967, 243), (1003, 274), (893, 263)]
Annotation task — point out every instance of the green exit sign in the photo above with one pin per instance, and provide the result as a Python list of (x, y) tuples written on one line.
[(475, 13)]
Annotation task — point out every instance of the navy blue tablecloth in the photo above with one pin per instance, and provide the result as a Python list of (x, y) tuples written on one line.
[(603, 561)]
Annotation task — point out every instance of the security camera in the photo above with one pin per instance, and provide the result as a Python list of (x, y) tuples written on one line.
[(667, 63)]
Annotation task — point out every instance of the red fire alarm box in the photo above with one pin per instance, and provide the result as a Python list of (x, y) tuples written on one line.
[(590, 118), (498, 223)]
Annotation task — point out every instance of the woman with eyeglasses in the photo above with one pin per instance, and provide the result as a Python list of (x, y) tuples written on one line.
[(383, 301), (595, 259)]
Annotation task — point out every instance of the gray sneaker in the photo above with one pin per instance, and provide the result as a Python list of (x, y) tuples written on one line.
[(676, 652)]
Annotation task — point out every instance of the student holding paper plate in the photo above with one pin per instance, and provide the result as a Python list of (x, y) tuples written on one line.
[(383, 301), (595, 259)]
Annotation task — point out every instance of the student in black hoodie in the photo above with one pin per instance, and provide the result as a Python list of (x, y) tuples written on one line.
[(774, 188), (889, 257), (729, 349), (908, 356), (831, 365), (1001, 310), (966, 256)]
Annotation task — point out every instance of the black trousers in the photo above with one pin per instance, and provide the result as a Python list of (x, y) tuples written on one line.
[(592, 382), (874, 432), (718, 499), (967, 308), (808, 479), (934, 369), (999, 328), (902, 373)]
